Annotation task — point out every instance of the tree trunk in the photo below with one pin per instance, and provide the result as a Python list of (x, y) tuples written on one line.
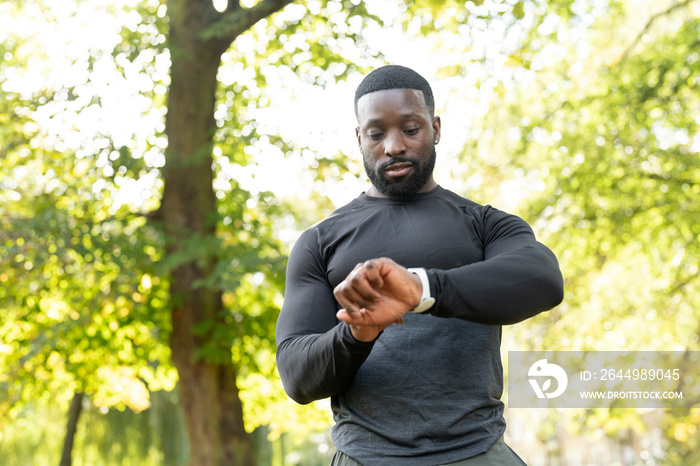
[(76, 407), (209, 396)]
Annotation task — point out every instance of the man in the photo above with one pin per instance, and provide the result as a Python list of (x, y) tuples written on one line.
[(427, 390)]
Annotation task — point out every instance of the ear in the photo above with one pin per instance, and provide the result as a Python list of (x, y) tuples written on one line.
[(357, 135), (436, 129)]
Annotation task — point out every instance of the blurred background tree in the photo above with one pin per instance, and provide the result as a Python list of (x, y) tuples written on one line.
[(140, 223), (594, 135)]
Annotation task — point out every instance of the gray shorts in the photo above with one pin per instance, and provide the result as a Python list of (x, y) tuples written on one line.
[(499, 454)]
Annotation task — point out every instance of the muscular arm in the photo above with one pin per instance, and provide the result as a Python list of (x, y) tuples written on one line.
[(518, 278), (317, 356)]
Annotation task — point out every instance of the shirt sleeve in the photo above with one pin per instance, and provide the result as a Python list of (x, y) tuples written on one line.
[(517, 279), (317, 356)]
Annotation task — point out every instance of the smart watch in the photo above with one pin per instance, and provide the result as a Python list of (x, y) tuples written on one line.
[(426, 301)]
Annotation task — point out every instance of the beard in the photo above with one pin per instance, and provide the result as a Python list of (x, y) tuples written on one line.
[(406, 186)]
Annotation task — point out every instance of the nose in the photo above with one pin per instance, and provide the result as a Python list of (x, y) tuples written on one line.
[(394, 144)]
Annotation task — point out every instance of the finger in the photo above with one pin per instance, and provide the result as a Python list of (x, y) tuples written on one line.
[(373, 272), (361, 285), (343, 315), (363, 318), (350, 298), (356, 289), (352, 318), (346, 302)]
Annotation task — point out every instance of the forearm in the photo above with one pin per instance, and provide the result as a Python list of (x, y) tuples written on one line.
[(504, 289), (318, 366)]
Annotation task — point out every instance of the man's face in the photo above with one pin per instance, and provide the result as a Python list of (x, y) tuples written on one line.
[(397, 135)]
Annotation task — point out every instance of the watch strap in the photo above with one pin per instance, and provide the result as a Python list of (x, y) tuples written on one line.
[(426, 301)]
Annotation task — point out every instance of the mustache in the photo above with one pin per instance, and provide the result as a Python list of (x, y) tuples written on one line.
[(399, 160)]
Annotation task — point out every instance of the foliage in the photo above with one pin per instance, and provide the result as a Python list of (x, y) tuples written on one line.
[(82, 301), (85, 306), (596, 134), (611, 150)]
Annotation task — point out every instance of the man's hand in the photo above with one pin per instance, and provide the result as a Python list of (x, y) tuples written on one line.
[(376, 294)]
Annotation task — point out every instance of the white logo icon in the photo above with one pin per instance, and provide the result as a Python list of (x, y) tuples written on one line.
[(542, 369)]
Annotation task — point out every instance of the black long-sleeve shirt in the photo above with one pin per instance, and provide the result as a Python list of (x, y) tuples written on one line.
[(428, 391)]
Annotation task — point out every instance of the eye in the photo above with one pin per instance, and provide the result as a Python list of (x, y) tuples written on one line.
[(412, 131), (375, 136)]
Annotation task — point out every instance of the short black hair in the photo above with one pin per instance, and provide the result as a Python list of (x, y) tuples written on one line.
[(395, 77)]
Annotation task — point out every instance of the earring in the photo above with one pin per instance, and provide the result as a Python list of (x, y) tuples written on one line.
[(436, 141)]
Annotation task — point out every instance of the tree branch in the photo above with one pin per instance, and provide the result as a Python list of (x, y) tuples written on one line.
[(236, 20), (649, 24), (76, 407), (233, 5)]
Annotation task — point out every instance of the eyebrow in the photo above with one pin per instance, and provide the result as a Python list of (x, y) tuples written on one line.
[(405, 116)]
